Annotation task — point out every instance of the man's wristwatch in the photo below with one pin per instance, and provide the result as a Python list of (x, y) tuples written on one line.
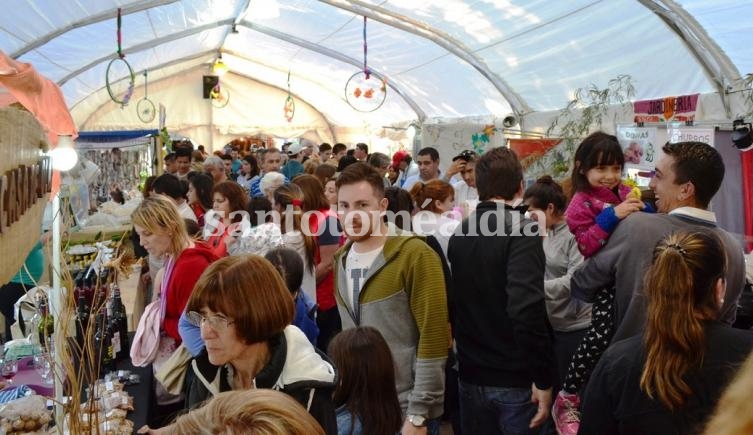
[(417, 420)]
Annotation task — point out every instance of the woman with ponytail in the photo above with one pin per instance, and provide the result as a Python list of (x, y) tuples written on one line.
[(669, 380), (296, 234)]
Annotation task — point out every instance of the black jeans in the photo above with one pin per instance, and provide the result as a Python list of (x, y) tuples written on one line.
[(9, 294), (329, 324)]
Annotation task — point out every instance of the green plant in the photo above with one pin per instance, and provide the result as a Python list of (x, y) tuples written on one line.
[(589, 108)]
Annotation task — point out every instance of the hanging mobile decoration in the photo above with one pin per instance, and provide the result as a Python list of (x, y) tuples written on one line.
[(117, 69), (289, 103), (363, 92), (145, 108)]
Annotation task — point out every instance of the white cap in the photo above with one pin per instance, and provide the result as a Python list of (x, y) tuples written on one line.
[(294, 149)]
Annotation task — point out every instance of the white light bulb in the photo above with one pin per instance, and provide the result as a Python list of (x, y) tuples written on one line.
[(64, 156)]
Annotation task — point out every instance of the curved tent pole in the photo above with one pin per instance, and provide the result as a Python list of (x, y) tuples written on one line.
[(709, 55), (335, 55), (444, 40), (102, 16), (147, 45), (156, 68), (262, 29)]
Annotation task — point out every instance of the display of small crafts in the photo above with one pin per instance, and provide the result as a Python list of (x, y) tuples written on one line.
[(121, 167)]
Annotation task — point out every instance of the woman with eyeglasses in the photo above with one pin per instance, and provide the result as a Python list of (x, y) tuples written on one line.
[(244, 311)]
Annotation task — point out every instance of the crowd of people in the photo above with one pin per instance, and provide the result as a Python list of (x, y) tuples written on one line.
[(382, 295)]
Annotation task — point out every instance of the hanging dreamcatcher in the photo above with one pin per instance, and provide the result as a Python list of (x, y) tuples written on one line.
[(117, 69), (364, 91), (289, 103), (145, 108)]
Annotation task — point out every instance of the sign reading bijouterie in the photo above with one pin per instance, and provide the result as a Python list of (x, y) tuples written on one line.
[(21, 188)]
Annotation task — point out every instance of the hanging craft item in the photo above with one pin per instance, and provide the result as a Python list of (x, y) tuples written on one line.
[(117, 69), (364, 91), (145, 108), (289, 103)]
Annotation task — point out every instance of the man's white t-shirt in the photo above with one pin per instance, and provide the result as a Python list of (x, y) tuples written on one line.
[(357, 266)]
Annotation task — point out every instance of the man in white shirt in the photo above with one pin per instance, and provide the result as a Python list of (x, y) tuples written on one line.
[(466, 195), (428, 167)]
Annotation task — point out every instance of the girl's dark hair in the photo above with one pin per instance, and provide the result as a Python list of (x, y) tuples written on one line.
[(290, 266), (254, 166), (598, 149), (367, 379), (203, 185), (399, 200), (546, 191), (257, 207)]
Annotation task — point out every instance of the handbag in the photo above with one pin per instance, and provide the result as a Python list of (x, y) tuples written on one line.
[(172, 373), (146, 340)]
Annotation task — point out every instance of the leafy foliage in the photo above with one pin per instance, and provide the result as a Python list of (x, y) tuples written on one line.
[(589, 108)]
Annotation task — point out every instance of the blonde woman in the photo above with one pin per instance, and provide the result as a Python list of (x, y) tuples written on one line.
[(248, 412), (162, 233), (732, 416)]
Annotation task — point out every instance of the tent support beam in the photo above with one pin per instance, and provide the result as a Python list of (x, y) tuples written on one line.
[(204, 54), (718, 67), (444, 40), (147, 45), (335, 55), (102, 16)]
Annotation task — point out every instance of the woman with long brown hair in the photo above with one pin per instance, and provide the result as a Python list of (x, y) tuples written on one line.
[(324, 223), (366, 398), (669, 380), (229, 203), (288, 203)]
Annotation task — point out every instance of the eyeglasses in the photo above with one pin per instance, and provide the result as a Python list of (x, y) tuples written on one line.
[(217, 322)]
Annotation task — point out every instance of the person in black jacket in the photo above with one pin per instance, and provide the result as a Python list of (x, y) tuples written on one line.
[(669, 379), (503, 337), (244, 311)]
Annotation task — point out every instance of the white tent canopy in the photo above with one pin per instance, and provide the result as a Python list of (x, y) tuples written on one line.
[(446, 59)]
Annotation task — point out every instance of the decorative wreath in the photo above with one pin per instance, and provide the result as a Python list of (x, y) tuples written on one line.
[(365, 92)]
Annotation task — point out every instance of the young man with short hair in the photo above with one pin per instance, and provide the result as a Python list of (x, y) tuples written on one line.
[(393, 282), (339, 150), (183, 161), (361, 152), (428, 167), (503, 337)]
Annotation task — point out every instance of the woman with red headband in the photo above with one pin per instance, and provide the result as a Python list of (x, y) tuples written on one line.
[(297, 234)]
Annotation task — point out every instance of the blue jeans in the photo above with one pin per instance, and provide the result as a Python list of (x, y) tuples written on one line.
[(496, 410)]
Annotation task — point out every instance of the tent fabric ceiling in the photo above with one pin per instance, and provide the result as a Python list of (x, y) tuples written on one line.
[(442, 59)]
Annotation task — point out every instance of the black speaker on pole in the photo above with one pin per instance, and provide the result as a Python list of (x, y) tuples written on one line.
[(209, 83)]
